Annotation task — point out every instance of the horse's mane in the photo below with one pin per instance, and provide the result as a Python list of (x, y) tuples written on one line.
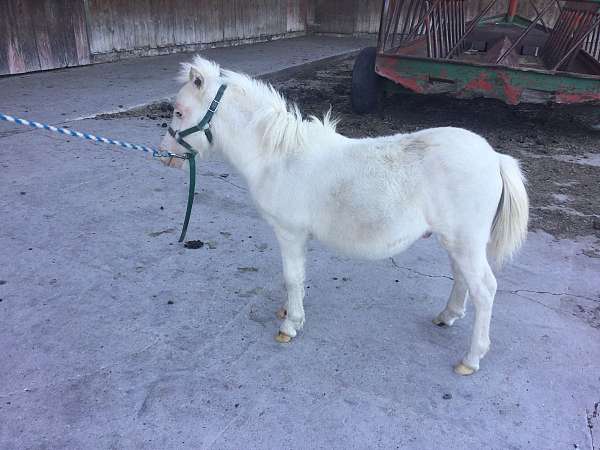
[(283, 128)]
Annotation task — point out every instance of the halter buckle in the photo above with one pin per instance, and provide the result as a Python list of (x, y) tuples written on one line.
[(213, 106)]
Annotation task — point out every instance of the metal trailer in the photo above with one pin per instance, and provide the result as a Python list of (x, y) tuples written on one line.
[(431, 46)]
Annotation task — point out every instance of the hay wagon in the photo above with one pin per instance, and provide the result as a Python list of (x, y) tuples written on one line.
[(447, 46)]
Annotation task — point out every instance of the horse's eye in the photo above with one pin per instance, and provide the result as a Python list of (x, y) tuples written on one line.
[(178, 114)]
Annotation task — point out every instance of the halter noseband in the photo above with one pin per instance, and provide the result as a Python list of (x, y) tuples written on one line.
[(203, 125)]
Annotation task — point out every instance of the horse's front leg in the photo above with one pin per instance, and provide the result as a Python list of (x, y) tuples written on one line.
[(293, 256)]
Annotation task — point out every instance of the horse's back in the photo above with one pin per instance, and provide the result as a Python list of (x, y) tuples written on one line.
[(449, 177), (450, 144)]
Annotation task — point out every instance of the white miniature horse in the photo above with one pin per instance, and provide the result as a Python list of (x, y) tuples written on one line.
[(370, 198)]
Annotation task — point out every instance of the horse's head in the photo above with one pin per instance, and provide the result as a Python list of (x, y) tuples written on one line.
[(201, 81)]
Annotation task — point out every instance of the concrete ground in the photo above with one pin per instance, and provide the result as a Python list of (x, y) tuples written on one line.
[(113, 335)]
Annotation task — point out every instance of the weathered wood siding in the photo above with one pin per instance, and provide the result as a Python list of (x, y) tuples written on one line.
[(117, 26), (297, 15), (125, 25), (42, 34), (368, 15), (47, 34), (335, 16), (347, 16)]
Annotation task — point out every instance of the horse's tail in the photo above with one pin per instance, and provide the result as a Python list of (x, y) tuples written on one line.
[(509, 228)]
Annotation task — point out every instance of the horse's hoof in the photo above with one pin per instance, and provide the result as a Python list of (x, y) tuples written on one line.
[(282, 338), (447, 318), (461, 369), (281, 313), (439, 322)]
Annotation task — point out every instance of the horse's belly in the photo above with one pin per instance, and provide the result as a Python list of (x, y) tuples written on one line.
[(371, 240)]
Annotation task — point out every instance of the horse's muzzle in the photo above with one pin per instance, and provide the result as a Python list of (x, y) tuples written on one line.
[(177, 163)]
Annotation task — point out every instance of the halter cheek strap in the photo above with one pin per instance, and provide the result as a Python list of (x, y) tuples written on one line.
[(203, 125)]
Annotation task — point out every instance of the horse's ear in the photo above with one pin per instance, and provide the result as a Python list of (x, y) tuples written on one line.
[(196, 78)]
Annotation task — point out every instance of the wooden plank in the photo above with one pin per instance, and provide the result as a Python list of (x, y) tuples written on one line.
[(198, 21), (273, 18), (209, 22), (54, 34), (229, 20), (296, 15), (5, 33), (367, 16), (279, 25), (21, 50), (248, 15), (240, 18), (141, 25), (99, 22), (82, 47), (164, 23), (62, 27), (310, 14), (122, 20), (42, 35), (336, 16), (184, 30), (255, 18), (244, 19)]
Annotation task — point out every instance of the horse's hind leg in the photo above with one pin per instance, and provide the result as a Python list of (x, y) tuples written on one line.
[(293, 256), (282, 312), (471, 262), (455, 308)]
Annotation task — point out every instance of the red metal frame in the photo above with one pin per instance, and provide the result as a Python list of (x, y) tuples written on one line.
[(429, 46)]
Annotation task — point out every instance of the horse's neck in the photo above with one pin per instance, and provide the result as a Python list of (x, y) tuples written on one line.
[(244, 146), (241, 150), (244, 157)]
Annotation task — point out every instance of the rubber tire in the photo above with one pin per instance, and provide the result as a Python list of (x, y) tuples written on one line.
[(366, 84)]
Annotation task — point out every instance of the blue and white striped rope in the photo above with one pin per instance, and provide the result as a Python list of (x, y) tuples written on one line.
[(155, 153)]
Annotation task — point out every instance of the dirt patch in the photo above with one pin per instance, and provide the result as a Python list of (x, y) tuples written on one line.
[(160, 111), (193, 244)]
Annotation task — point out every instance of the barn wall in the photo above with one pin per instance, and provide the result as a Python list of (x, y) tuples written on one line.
[(118, 27), (42, 34), (48, 34)]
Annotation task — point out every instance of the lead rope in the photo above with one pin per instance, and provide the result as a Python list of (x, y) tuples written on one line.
[(191, 157)]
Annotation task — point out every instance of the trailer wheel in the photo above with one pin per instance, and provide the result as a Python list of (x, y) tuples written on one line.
[(366, 84)]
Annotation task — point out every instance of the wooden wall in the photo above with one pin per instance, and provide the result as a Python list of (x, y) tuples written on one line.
[(116, 26), (47, 34), (42, 34)]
